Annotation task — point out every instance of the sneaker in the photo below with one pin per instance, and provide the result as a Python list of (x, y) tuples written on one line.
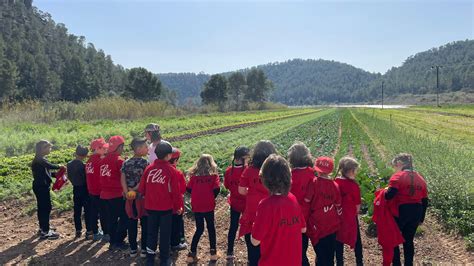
[(89, 235), (192, 258), (51, 235), (106, 238), (143, 253), (78, 234), (214, 255), (97, 236), (133, 253), (50, 228)]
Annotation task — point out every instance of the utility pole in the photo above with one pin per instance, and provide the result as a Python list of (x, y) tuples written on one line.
[(382, 93), (437, 83)]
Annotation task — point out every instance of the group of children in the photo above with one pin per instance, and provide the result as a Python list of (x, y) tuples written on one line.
[(278, 206)]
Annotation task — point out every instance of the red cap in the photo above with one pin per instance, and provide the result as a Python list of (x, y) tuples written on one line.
[(176, 154), (115, 142), (324, 165), (99, 143)]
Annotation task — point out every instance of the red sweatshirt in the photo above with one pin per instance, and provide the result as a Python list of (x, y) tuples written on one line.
[(110, 174), (231, 182), (300, 180), (350, 195), (325, 200), (256, 192), (182, 190), (202, 192), (92, 174), (403, 181), (160, 186)]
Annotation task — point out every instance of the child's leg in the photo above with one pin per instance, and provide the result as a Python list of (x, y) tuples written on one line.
[(305, 261), (211, 229), (325, 250), (132, 233), (112, 219), (165, 234), (94, 205), (152, 236), (43, 199), (122, 224), (253, 252), (182, 237), (199, 218), (104, 216), (234, 226), (77, 208), (339, 253), (175, 231), (144, 226), (358, 247)]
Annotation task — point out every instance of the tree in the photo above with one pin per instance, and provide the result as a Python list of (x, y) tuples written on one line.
[(142, 85), (237, 87), (75, 87), (8, 79), (215, 91), (258, 85)]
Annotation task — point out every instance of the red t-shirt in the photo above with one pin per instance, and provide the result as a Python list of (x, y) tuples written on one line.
[(110, 174), (231, 182), (278, 226), (300, 180), (159, 185), (92, 174), (350, 196), (202, 192), (256, 192), (403, 181), (325, 200), (182, 189)]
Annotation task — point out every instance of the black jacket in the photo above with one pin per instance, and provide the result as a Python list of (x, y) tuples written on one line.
[(41, 169)]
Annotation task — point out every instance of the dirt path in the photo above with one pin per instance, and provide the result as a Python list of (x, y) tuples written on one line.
[(20, 245)]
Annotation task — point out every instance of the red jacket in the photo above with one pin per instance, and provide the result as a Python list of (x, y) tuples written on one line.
[(159, 184), (202, 192), (256, 192), (300, 180), (231, 182), (92, 174), (388, 233), (110, 174), (325, 201), (182, 190), (404, 182), (350, 196)]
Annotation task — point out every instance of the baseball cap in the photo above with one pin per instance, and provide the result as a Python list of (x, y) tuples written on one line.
[(81, 150), (152, 127), (324, 165), (163, 148), (176, 154), (99, 143), (115, 142)]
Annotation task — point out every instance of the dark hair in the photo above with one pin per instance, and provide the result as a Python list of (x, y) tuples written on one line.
[(155, 135), (239, 153), (276, 175), (39, 147), (137, 143), (261, 151), (299, 155), (81, 151)]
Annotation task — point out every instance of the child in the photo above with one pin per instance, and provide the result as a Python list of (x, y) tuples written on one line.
[(325, 199), (111, 192), (349, 232), (41, 169), (153, 135), (132, 170), (279, 222), (251, 185), (97, 206), (302, 174), (160, 188), (204, 187), (408, 189), (178, 240), (77, 175), (236, 200)]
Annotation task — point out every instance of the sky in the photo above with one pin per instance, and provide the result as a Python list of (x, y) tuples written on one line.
[(220, 36)]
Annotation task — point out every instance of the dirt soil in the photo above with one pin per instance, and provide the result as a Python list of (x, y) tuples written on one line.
[(19, 244)]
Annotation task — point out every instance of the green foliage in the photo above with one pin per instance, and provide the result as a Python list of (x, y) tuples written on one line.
[(142, 85), (215, 91)]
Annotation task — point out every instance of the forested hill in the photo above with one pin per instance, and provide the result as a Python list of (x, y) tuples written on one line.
[(320, 81), (39, 59)]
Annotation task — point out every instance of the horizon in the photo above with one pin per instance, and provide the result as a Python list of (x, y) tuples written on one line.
[(216, 37)]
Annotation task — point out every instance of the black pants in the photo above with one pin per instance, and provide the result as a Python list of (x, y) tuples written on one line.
[(325, 249), (98, 210), (158, 221), (133, 232), (117, 220), (357, 250), (81, 202), (234, 226), (253, 252), (211, 229), (43, 201), (408, 220), (177, 230), (305, 261)]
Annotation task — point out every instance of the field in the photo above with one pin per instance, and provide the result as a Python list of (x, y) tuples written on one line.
[(441, 140)]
